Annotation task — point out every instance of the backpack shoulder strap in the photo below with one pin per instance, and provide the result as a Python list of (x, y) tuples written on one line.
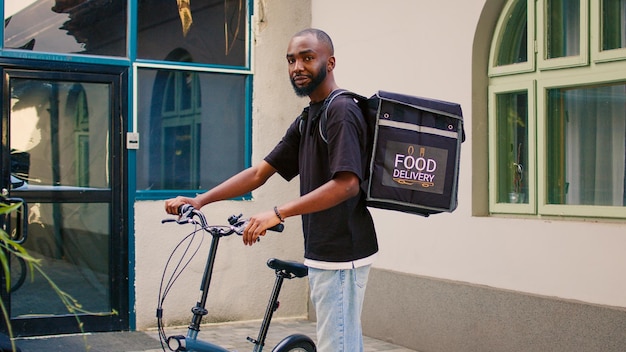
[(323, 113), (302, 119)]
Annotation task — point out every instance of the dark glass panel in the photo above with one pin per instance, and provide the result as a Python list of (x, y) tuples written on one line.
[(210, 31), (59, 133), (563, 28), (613, 24), (71, 240), (513, 46), (512, 152), (193, 128), (94, 27), (586, 130)]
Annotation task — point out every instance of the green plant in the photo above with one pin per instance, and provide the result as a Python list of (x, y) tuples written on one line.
[(10, 247)]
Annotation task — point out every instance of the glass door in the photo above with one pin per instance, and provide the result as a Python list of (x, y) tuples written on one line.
[(62, 140)]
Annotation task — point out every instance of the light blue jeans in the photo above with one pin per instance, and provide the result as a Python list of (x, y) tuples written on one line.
[(338, 299)]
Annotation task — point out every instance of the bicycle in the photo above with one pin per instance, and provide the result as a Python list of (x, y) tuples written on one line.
[(283, 270)]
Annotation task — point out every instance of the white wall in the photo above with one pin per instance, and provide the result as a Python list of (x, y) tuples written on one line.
[(425, 48)]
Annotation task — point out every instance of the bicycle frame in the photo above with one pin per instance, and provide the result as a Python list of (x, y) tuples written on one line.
[(191, 340), (283, 270)]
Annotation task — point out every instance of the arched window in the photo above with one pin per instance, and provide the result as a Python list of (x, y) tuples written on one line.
[(557, 109)]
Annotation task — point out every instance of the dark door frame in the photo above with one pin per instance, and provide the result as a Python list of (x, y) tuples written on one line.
[(117, 76)]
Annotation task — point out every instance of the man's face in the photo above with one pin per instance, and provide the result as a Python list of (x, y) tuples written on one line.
[(307, 60)]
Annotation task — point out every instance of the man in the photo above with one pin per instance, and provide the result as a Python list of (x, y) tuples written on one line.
[(340, 240)]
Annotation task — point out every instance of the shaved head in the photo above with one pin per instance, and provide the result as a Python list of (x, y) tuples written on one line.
[(321, 36)]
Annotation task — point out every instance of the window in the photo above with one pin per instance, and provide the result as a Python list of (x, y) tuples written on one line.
[(586, 167), (558, 130), (192, 79), (214, 30), (513, 51), (66, 27), (609, 23), (562, 33), (193, 83), (180, 125), (192, 127), (512, 128), (613, 29)]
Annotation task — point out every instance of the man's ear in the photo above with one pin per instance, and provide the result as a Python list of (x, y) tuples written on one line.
[(330, 65)]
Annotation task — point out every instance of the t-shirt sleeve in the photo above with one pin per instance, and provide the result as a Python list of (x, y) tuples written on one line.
[(346, 130), (284, 156)]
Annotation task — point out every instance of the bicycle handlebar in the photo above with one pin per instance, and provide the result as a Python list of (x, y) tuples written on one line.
[(188, 213)]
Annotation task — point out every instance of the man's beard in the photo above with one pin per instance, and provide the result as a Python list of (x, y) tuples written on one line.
[(312, 86)]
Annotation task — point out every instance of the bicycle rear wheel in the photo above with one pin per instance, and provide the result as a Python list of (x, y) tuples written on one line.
[(297, 347), (295, 343)]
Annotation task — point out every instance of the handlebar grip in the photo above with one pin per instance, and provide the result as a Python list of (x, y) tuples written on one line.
[(184, 208), (277, 228)]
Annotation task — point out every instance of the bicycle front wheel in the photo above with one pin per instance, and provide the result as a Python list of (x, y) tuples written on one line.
[(295, 343)]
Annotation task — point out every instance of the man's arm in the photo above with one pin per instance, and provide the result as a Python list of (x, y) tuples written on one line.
[(343, 186), (240, 184)]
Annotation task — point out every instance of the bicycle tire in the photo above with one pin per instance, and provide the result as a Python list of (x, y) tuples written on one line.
[(18, 272), (295, 343), (297, 347)]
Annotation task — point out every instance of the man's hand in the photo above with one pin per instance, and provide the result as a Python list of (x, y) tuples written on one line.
[(172, 205), (258, 225)]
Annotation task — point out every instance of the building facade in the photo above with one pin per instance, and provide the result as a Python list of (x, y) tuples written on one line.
[(111, 107)]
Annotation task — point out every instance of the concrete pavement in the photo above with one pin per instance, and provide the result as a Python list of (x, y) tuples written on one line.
[(231, 336)]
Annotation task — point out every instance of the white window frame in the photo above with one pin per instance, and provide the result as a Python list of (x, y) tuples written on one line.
[(569, 61), (593, 67), (596, 24), (521, 67), (512, 208), (606, 76)]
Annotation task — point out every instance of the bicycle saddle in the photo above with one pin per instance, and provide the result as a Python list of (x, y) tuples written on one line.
[(292, 268)]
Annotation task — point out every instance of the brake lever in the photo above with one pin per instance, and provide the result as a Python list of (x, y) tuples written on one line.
[(179, 221), (240, 226)]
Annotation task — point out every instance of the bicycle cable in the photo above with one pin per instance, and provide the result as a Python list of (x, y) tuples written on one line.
[(188, 253), (165, 288)]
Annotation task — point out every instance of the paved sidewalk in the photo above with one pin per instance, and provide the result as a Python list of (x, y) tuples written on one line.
[(231, 336)]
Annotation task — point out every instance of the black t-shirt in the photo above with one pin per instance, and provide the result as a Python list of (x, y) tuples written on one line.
[(344, 232)]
